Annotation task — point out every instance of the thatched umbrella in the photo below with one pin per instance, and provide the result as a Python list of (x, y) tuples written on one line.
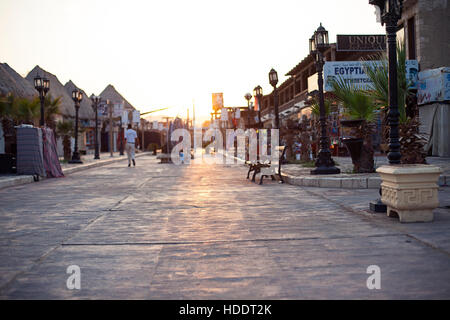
[(114, 96), (13, 83), (85, 111), (67, 107)]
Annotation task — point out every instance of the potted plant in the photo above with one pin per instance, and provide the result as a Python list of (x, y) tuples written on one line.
[(360, 113), (411, 143), (409, 190)]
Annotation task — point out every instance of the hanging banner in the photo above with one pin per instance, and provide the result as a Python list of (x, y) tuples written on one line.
[(124, 118), (434, 86), (117, 110), (353, 72), (102, 109), (217, 101), (136, 116), (224, 114)]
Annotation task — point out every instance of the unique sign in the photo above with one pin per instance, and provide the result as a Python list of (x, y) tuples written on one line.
[(353, 72), (361, 42)]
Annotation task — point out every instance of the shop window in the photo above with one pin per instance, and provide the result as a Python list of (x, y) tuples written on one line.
[(411, 39)]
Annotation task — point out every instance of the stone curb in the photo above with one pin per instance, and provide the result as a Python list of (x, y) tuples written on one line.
[(344, 182), (24, 179), (359, 182)]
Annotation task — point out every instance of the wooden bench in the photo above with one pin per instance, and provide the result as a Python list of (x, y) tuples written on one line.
[(256, 167)]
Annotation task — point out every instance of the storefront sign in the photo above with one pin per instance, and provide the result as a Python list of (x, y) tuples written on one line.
[(361, 42), (353, 72), (433, 86)]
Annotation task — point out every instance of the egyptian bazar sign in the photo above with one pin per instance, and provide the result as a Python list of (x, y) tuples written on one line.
[(361, 42), (353, 72)]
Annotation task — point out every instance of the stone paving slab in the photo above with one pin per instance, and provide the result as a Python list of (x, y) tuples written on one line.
[(160, 231)]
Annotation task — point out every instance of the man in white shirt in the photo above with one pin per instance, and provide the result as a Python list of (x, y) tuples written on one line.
[(130, 140)]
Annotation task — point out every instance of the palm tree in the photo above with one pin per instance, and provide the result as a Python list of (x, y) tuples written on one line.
[(358, 106), (25, 110), (66, 130), (411, 144), (51, 107)]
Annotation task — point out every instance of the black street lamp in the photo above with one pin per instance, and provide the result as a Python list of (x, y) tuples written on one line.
[(317, 46), (42, 85), (248, 96), (258, 93), (77, 96), (273, 80), (95, 102), (390, 12)]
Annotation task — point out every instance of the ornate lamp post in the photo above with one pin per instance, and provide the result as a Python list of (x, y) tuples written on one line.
[(248, 96), (95, 102), (273, 80), (258, 93), (390, 11), (77, 96), (42, 85), (317, 46)]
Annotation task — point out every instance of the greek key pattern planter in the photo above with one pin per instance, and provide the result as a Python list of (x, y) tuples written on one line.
[(410, 191)]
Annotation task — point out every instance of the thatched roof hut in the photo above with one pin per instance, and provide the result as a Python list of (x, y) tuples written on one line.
[(67, 107), (114, 96), (14, 83), (86, 111)]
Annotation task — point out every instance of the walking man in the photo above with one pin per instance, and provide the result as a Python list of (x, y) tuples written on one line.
[(130, 141)]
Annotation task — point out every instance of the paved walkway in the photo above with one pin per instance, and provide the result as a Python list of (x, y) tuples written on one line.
[(162, 231), (8, 180)]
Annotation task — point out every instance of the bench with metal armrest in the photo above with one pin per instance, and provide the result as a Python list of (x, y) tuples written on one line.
[(256, 167)]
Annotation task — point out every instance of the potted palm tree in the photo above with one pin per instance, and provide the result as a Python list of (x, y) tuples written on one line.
[(411, 143), (360, 113), (409, 190)]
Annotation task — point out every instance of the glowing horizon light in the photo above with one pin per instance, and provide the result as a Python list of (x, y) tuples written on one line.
[(161, 53)]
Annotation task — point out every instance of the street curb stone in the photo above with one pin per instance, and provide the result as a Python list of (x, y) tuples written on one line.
[(24, 179), (370, 182)]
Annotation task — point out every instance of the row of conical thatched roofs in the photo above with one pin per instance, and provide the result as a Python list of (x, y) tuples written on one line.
[(14, 83)]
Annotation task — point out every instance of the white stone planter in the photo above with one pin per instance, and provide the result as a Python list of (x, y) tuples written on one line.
[(411, 191)]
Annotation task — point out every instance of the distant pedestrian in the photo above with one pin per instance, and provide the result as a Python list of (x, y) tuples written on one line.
[(181, 156), (130, 141)]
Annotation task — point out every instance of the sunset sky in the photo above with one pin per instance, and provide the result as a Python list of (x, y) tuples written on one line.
[(171, 53)]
